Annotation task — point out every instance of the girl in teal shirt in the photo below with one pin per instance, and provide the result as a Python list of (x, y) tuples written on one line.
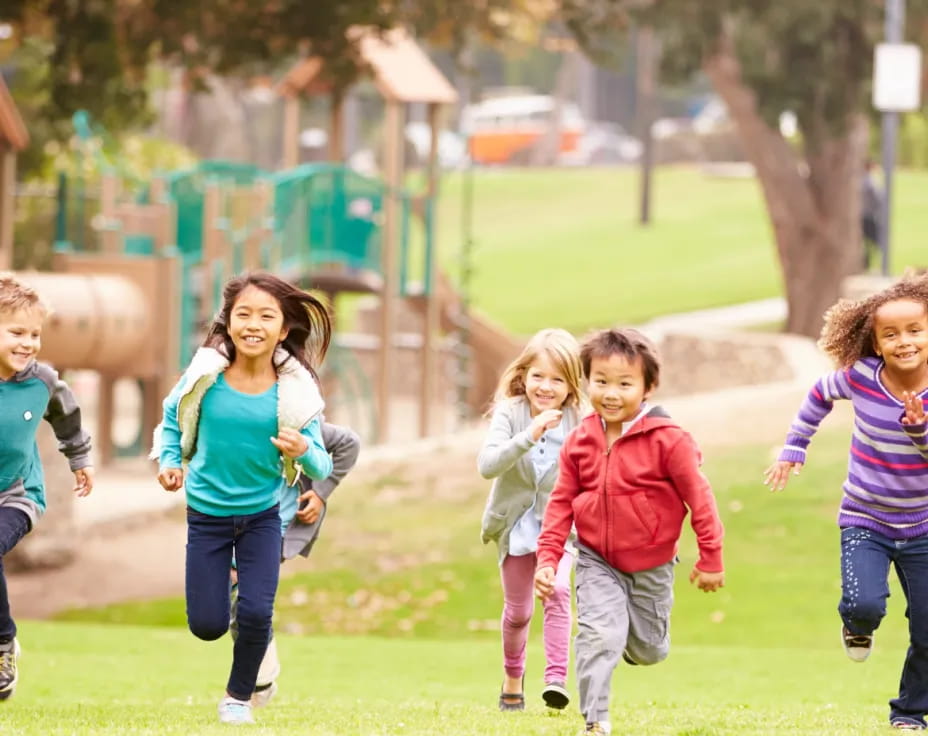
[(244, 420)]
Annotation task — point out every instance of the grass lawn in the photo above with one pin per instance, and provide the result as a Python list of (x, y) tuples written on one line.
[(404, 573), (562, 247)]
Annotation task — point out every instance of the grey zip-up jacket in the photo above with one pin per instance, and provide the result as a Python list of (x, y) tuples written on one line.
[(343, 445), (505, 458)]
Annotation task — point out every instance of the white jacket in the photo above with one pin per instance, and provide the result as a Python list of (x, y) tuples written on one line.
[(298, 401)]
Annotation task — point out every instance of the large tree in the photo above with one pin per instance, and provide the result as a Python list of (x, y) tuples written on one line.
[(763, 58), (94, 54)]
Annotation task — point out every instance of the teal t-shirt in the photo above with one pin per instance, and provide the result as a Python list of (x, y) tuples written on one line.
[(235, 469), (23, 406)]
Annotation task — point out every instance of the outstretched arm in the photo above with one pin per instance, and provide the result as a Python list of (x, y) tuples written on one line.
[(682, 464), (815, 407)]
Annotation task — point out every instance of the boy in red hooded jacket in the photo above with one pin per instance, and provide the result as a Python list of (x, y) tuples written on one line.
[(628, 474)]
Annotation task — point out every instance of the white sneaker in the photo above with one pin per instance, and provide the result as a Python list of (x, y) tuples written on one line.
[(262, 697), (270, 665), (233, 710)]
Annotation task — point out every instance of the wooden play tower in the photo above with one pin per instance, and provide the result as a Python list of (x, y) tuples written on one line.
[(403, 74)]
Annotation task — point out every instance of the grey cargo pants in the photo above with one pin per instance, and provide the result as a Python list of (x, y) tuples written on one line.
[(616, 612)]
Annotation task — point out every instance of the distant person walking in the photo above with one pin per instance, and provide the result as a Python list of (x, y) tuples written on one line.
[(537, 403), (244, 420), (871, 214), (628, 476), (880, 345), (29, 392)]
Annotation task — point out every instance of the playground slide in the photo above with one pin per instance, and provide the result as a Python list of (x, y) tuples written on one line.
[(491, 346)]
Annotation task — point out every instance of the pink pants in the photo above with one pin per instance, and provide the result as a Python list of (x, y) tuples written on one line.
[(518, 574)]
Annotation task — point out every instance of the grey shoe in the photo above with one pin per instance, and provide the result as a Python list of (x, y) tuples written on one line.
[(555, 695)]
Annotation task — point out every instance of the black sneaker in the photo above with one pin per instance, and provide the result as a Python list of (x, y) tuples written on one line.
[(9, 653), (857, 646)]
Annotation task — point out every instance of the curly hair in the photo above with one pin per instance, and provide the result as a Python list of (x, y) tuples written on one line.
[(847, 335)]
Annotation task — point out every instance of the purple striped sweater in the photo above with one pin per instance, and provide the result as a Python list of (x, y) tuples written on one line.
[(886, 489)]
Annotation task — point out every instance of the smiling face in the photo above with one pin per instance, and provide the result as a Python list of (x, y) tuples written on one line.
[(545, 385), (256, 324), (20, 340), (617, 388), (900, 335)]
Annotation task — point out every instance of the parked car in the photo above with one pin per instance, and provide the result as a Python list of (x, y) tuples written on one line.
[(502, 130), (603, 143)]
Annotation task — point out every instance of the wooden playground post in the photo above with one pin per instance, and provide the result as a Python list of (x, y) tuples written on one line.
[(393, 178), (212, 245), (13, 137), (7, 194), (111, 236), (258, 233), (337, 126), (432, 316), (291, 155)]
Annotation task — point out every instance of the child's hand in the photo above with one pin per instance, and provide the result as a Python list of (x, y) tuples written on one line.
[(708, 582), (777, 475), (914, 409), (171, 478), (548, 419), (290, 442), (544, 582), (83, 481), (309, 513)]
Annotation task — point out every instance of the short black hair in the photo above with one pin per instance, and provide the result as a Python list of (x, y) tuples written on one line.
[(627, 342)]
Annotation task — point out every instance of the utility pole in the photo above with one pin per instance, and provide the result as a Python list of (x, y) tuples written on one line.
[(645, 88), (894, 23)]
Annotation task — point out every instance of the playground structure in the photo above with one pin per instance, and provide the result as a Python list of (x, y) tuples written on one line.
[(13, 138), (134, 303)]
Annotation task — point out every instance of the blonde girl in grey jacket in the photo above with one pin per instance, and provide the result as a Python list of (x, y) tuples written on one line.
[(537, 403)]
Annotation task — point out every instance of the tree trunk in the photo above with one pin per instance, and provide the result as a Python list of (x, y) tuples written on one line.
[(813, 204)]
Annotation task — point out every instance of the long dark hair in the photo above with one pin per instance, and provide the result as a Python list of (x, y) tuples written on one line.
[(305, 317)]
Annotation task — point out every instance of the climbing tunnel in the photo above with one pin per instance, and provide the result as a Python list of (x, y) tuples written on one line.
[(96, 322)]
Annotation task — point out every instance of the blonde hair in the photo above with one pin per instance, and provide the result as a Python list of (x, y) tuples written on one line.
[(847, 335), (16, 296), (561, 348)]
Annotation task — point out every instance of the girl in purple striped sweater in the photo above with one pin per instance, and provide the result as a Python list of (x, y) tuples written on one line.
[(880, 345)]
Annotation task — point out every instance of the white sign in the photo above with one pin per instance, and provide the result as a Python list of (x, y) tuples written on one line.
[(897, 77)]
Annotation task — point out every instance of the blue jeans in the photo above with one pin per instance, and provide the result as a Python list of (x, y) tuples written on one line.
[(254, 540), (865, 559), (14, 525)]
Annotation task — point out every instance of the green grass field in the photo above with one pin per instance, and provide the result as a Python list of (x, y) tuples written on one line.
[(546, 241), (398, 609)]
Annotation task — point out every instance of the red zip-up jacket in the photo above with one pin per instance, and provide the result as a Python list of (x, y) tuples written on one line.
[(628, 501)]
